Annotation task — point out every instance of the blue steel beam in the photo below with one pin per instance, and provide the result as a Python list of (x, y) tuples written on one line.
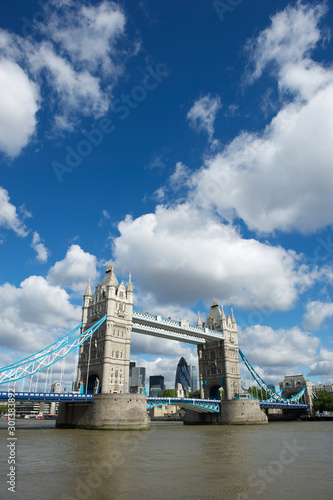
[(46, 396), (202, 405), (50, 348), (47, 357), (274, 395)]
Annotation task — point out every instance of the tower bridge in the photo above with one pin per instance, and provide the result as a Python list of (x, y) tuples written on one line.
[(108, 319)]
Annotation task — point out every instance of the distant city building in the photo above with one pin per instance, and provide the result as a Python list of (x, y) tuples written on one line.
[(137, 378), (183, 375), (156, 385), (56, 387), (271, 386), (171, 411), (193, 378), (323, 387), (180, 391)]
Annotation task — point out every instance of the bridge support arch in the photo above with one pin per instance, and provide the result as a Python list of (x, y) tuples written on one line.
[(94, 386)]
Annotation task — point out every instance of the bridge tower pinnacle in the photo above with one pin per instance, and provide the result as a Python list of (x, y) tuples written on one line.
[(104, 358)]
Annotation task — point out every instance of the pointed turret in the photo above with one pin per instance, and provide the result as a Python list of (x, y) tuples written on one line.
[(232, 317), (222, 313), (87, 293), (129, 285), (223, 319), (213, 320), (110, 278), (86, 300), (199, 322)]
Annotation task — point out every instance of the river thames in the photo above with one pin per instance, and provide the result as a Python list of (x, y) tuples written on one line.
[(280, 460)]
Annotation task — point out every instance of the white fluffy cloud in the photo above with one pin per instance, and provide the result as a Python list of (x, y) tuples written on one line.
[(90, 38), (77, 91), (181, 255), (39, 311), (19, 103), (275, 353), (39, 247), (282, 177), (180, 177), (282, 180), (76, 52), (34, 313), (203, 113), (323, 366), (292, 35), (74, 270), (9, 217), (316, 313)]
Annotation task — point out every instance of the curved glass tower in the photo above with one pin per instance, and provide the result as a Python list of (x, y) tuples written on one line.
[(183, 375)]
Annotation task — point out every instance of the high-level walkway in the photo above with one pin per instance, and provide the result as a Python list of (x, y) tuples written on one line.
[(170, 329)]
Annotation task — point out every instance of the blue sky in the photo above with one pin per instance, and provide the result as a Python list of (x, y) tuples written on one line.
[(189, 142)]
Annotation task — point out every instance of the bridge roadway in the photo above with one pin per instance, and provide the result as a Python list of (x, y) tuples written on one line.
[(199, 405), (170, 329)]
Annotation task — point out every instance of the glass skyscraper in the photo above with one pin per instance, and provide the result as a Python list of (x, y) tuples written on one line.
[(156, 385), (137, 376), (183, 375), (193, 378)]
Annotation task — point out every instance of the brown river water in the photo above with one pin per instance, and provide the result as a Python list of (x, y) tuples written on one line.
[(281, 460)]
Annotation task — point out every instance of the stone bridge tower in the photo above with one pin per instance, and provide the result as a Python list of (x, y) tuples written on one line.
[(218, 360), (219, 367), (103, 367), (104, 358)]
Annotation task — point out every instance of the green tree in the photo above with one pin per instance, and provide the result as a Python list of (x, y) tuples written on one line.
[(323, 401), (194, 394), (258, 393), (3, 409), (168, 393)]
